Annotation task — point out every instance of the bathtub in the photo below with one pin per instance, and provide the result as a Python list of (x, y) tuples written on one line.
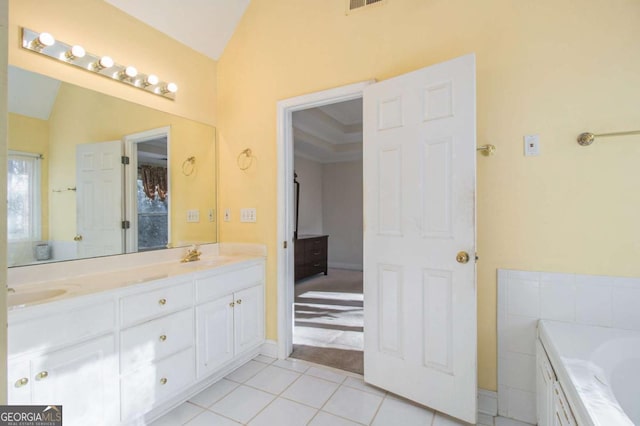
[(599, 370)]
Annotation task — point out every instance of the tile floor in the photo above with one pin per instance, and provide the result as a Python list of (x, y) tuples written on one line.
[(269, 392)]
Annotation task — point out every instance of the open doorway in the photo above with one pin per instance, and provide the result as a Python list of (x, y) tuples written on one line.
[(147, 186), (328, 291)]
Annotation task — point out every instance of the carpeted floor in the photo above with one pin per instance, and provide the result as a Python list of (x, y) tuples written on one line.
[(329, 320)]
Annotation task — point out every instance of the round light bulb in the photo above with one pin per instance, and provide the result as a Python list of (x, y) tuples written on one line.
[(105, 62), (172, 87), (130, 71), (77, 51), (152, 79), (46, 39)]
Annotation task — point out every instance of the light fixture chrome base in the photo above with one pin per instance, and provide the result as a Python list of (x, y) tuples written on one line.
[(60, 52)]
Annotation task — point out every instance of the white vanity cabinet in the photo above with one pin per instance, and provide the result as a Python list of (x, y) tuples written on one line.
[(552, 405), (54, 358), (126, 355), (229, 316)]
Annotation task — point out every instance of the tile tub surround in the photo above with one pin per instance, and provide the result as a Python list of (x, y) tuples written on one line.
[(525, 297), (291, 392)]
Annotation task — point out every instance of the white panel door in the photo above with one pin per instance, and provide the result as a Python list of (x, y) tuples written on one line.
[(99, 198), (419, 190)]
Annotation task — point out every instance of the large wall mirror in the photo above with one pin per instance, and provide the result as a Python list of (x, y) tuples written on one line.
[(71, 197)]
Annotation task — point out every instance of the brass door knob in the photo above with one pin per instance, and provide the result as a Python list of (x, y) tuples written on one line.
[(77, 238), (162, 301), (163, 381), (232, 304), (42, 375), (163, 338), (462, 257), (239, 302)]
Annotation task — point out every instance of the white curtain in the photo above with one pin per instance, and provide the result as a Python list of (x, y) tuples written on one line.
[(23, 205)]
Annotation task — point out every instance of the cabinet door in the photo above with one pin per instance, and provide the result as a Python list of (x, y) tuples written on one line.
[(19, 384), (82, 378), (214, 323), (249, 318), (545, 378)]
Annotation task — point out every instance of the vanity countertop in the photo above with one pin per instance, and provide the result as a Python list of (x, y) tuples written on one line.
[(83, 282)]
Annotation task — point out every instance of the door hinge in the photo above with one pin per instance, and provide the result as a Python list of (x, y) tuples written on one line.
[(284, 244), (124, 159), (126, 224)]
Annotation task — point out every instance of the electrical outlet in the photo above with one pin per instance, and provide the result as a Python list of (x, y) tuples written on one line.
[(531, 145), (227, 215), (248, 215), (193, 216)]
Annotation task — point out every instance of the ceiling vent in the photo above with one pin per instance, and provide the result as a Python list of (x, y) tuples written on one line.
[(361, 4)]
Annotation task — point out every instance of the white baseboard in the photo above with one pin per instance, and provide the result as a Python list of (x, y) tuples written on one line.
[(269, 348), (351, 266), (487, 402)]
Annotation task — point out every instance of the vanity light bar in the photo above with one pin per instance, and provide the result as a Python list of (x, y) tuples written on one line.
[(46, 44)]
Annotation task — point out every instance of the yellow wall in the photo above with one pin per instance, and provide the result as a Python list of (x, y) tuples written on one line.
[(105, 30), (551, 67), (28, 134), (84, 116)]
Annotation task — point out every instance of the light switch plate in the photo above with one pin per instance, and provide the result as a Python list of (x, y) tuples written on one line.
[(193, 216), (531, 145), (248, 215)]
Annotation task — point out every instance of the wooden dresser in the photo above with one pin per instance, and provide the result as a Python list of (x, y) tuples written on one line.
[(311, 255)]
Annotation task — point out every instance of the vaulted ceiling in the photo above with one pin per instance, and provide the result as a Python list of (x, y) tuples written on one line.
[(204, 25)]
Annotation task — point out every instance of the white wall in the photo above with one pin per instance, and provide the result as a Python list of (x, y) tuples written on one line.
[(310, 178), (342, 213)]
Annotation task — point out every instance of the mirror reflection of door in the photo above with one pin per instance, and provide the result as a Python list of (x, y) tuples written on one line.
[(147, 182), (99, 199)]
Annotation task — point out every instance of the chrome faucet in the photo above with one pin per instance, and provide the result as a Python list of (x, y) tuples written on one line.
[(192, 255)]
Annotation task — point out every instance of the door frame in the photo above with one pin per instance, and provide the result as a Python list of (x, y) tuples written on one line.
[(131, 185), (285, 256)]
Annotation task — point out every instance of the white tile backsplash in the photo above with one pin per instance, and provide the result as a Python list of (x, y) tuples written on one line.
[(524, 297), (626, 312), (557, 298)]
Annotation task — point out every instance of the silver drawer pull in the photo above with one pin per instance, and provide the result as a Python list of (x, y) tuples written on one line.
[(21, 382), (162, 301), (317, 253), (239, 302), (316, 264), (163, 338), (163, 381), (42, 375)]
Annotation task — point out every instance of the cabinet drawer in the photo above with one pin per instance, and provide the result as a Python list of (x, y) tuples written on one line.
[(144, 306), (216, 286), (61, 329), (156, 339), (316, 251), (146, 388)]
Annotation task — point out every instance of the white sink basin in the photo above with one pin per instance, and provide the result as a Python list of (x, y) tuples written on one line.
[(32, 296)]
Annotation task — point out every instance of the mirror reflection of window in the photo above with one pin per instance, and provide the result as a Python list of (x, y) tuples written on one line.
[(153, 202), (23, 205)]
